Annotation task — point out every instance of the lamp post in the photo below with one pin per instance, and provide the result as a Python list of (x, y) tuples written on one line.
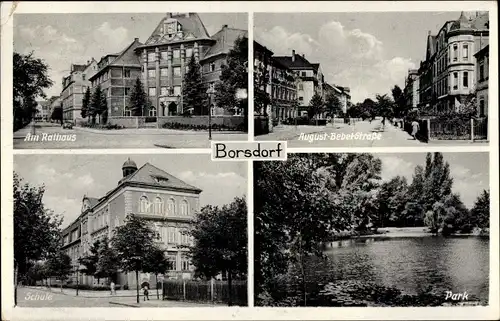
[(210, 92)]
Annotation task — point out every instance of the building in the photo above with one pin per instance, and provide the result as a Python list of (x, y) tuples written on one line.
[(447, 76), (42, 110), (309, 78), (482, 76), (161, 64), (342, 93), (55, 102), (411, 90), (148, 192), (74, 87)]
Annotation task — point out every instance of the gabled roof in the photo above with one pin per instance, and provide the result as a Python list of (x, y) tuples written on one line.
[(92, 200), (152, 175), (315, 66), (299, 63), (192, 28), (431, 46), (224, 41), (75, 67)]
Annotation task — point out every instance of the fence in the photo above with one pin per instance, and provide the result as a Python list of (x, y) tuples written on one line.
[(205, 291), (261, 125), (423, 130), (450, 129), (480, 129)]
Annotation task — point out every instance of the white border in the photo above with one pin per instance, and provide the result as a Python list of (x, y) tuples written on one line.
[(466, 313)]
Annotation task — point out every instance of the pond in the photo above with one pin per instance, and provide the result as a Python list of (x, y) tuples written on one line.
[(410, 264)]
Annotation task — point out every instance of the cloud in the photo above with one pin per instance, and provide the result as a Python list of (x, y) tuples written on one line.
[(116, 39), (352, 58), (218, 189), (393, 166)]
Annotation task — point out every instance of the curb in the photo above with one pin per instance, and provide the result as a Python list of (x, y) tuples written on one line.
[(130, 305)]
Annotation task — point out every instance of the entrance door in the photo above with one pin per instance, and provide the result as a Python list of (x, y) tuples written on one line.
[(172, 109)]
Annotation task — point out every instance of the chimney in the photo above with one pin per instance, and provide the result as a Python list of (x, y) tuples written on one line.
[(224, 26), (303, 55), (429, 33), (169, 14), (136, 39), (293, 55)]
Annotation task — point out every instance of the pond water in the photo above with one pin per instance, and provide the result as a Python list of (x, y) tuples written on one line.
[(412, 263)]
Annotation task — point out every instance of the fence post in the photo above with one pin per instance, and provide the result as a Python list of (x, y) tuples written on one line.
[(428, 129), (184, 289), (212, 290), (472, 129)]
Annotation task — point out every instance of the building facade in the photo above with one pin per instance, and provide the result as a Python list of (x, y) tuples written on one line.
[(482, 76), (166, 202), (42, 110), (411, 90), (161, 64), (342, 93), (74, 87)]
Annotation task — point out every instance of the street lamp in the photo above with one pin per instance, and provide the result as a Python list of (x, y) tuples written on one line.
[(210, 92)]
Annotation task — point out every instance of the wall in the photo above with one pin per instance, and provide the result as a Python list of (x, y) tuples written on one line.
[(193, 200), (231, 121), (127, 122)]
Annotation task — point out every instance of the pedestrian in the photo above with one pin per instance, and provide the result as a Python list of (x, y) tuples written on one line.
[(146, 292), (112, 287), (415, 128)]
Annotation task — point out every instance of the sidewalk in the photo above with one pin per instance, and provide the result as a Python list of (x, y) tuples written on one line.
[(89, 294), (151, 131), (394, 136), (157, 303)]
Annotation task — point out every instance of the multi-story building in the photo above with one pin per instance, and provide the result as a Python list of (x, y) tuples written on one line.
[(343, 94), (482, 76), (42, 110), (447, 76), (71, 237), (166, 202), (74, 87), (411, 90), (283, 92), (161, 64)]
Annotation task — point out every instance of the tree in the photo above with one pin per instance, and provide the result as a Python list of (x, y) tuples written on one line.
[(132, 242), (367, 109), (89, 261), (480, 212), (36, 229), (400, 108), (30, 78), (333, 104), (157, 263), (316, 106), (107, 262), (434, 217), (194, 96), (86, 103), (138, 98), (59, 266), (384, 107), (234, 75), (261, 80), (392, 198), (220, 241), (57, 114), (98, 104)]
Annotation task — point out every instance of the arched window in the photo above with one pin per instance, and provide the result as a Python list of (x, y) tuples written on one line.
[(171, 207), (152, 111), (159, 208), (143, 204), (184, 208), (127, 112)]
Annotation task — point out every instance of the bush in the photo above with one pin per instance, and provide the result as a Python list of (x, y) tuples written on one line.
[(101, 126), (125, 287), (215, 127), (89, 287)]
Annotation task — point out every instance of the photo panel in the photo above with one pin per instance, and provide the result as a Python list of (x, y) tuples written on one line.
[(130, 231), (372, 79), (129, 80), (372, 230)]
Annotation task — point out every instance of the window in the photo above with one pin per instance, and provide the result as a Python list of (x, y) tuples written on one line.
[(163, 91), (172, 258), (127, 112), (143, 204), (127, 73), (455, 80), (151, 73), (455, 52), (301, 86), (184, 208), (152, 111), (212, 66), (171, 235), (481, 108), (177, 90), (177, 71), (466, 79), (159, 208), (189, 52), (164, 55), (83, 76), (187, 69), (151, 56), (171, 207), (177, 54), (301, 98), (466, 52), (481, 72), (184, 263), (152, 91), (164, 72), (127, 91)]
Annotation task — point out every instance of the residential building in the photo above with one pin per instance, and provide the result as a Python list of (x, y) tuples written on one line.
[(343, 94), (283, 92), (411, 90), (482, 76), (74, 86), (42, 110), (166, 202), (262, 62)]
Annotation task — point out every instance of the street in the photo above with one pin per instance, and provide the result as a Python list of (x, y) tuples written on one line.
[(120, 138), (42, 297), (389, 136)]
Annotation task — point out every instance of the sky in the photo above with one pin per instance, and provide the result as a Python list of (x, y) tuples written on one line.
[(470, 171), (63, 39), (68, 178), (369, 52)]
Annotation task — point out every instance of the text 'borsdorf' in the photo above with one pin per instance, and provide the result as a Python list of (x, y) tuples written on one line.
[(249, 151)]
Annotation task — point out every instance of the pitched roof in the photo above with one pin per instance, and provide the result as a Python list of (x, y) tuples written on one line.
[(224, 41), (75, 67), (192, 28), (481, 21), (152, 175), (299, 63), (315, 66), (126, 57), (92, 201)]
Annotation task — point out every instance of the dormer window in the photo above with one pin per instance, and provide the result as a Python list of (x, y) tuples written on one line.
[(170, 28)]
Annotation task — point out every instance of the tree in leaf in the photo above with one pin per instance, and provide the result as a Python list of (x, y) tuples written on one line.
[(434, 217), (133, 242), (194, 92), (261, 80), (30, 78), (157, 263), (333, 104), (400, 108), (392, 198), (220, 241), (316, 106), (57, 114), (384, 107), (138, 98), (89, 262), (98, 104), (86, 103), (480, 212), (107, 262), (59, 266), (36, 229)]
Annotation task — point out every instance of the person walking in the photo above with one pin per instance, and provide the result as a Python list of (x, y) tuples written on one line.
[(415, 128), (146, 292), (112, 288)]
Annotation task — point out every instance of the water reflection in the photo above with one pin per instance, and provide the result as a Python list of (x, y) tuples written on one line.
[(410, 264)]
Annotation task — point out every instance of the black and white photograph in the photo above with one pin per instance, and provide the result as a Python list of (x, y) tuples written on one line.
[(129, 231), (366, 79), (372, 230), (129, 80)]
